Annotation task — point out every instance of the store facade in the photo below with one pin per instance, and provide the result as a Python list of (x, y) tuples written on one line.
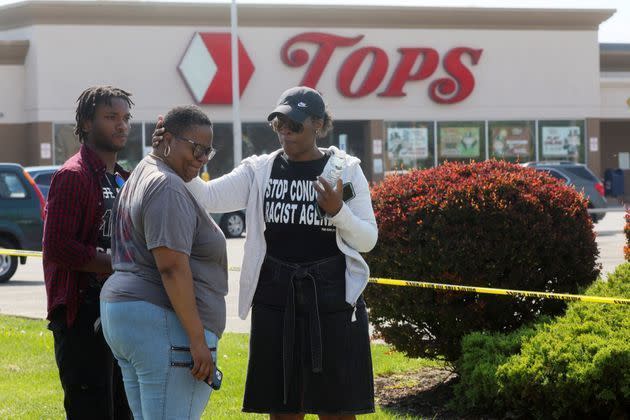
[(407, 86)]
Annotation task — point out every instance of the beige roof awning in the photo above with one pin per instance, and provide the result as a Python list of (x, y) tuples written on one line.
[(301, 16), (13, 52)]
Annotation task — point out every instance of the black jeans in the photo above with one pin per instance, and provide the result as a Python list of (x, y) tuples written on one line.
[(90, 376)]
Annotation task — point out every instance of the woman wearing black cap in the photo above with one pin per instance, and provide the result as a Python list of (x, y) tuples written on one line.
[(302, 273)]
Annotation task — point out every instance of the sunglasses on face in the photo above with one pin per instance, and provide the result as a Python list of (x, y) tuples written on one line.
[(281, 122), (199, 150)]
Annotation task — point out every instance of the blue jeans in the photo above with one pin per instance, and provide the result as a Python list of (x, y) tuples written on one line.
[(150, 345)]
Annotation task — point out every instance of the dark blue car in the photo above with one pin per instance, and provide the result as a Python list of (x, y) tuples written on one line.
[(42, 176), (21, 216)]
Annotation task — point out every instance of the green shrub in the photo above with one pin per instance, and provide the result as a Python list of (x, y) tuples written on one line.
[(482, 353), (577, 366), (626, 249), (491, 224)]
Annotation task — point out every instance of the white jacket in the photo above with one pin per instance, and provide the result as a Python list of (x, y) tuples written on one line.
[(244, 187)]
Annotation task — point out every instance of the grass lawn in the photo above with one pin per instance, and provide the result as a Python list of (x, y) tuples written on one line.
[(30, 388)]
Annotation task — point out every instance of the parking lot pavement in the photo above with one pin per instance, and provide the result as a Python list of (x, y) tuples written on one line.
[(610, 240), (25, 295)]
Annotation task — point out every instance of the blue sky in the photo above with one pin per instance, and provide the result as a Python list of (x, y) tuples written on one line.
[(616, 29)]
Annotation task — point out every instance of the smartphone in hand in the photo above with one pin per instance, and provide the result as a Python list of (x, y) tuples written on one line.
[(215, 380)]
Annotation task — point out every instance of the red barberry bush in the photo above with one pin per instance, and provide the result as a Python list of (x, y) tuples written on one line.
[(489, 224)]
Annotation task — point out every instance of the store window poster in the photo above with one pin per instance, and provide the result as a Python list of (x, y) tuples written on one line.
[(561, 142), (405, 146), (460, 142), (511, 141)]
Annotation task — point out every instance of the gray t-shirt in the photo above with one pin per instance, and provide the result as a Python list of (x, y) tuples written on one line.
[(154, 209)]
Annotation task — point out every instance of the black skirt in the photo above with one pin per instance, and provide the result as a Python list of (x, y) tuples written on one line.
[(309, 349)]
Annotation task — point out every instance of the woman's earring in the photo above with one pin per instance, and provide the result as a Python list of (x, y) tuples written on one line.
[(167, 151)]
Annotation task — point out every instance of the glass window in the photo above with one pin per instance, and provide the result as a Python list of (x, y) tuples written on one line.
[(408, 145), (43, 178), (582, 172), (512, 140), (349, 136), (222, 162), (11, 186), (67, 144), (561, 140), (461, 141), (223, 142), (129, 157), (148, 134), (258, 139), (555, 174)]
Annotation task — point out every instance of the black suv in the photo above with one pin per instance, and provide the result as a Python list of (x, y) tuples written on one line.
[(579, 177), (21, 216)]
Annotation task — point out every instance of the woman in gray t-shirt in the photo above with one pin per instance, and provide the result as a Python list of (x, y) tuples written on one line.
[(163, 309)]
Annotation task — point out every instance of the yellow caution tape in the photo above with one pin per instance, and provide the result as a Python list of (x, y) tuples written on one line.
[(506, 292), (39, 254), (426, 285), (20, 253)]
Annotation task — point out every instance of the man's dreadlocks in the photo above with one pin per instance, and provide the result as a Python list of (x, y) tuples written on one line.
[(89, 99)]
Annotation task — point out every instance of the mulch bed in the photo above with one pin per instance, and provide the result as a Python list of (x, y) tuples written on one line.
[(422, 393)]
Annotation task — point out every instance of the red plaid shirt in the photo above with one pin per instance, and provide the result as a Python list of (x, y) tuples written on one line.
[(74, 211)]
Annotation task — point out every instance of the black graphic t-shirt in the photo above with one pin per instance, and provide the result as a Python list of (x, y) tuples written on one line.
[(295, 232), (110, 191)]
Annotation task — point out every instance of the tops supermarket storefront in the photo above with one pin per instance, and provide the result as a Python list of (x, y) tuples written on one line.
[(408, 87)]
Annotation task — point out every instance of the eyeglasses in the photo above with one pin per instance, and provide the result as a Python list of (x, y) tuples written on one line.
[(199, 150), (282, 122)]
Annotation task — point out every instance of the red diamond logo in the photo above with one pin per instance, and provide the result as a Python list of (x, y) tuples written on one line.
[(207, 68)]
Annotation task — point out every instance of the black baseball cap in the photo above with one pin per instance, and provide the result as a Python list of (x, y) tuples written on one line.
[(299, 103)]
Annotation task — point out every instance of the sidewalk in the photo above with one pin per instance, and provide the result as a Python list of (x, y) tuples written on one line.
[(610, 240)]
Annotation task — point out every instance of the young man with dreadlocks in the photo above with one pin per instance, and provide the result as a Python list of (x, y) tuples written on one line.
[(77, 259)]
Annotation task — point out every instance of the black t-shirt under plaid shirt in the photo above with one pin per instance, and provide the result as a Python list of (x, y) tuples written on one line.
[(294, 230), (109, 188)]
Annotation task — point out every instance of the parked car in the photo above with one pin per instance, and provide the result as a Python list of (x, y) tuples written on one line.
[(232, 224), (42, 176), (21, 216), (579, 177)]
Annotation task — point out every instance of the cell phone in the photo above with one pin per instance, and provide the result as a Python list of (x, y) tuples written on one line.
[(217, 378), (348, 194)]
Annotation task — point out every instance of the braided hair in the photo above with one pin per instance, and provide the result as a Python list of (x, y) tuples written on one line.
[(89, 99)]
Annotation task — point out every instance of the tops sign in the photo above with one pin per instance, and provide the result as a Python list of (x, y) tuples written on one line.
[(449, 90), (207, 67)]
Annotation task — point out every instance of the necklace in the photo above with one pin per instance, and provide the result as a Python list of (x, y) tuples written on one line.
[(109, 182)]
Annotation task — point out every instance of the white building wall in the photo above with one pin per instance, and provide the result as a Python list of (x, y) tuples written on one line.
[(20, 82), (615, 96), (523, 74), (12, 97)]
